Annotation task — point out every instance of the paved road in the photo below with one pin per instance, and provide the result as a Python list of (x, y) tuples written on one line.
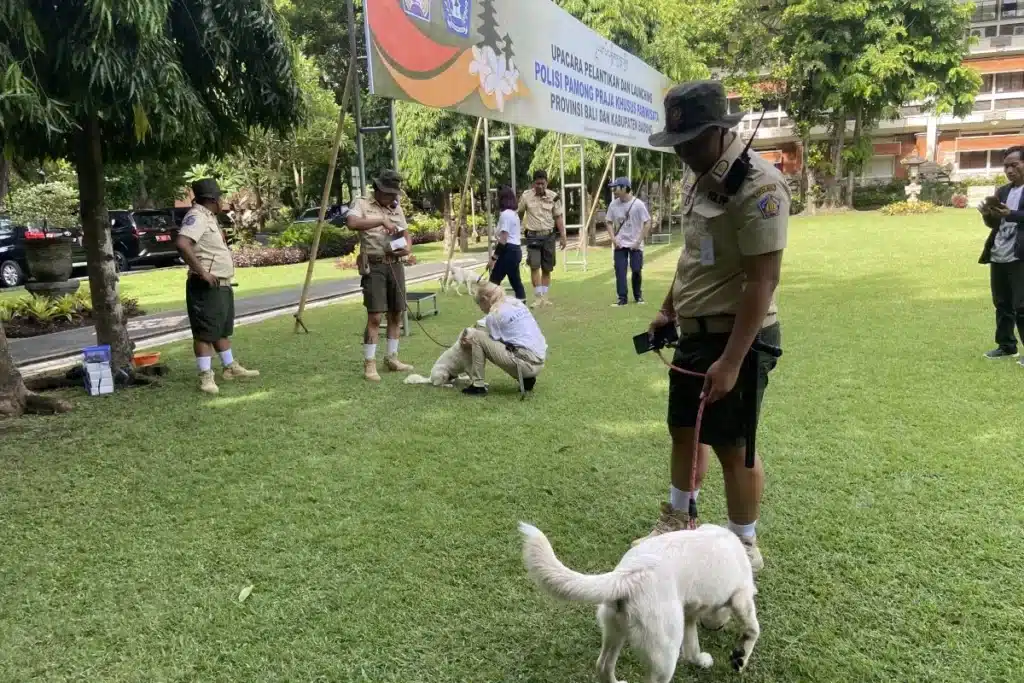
[(61, 344)]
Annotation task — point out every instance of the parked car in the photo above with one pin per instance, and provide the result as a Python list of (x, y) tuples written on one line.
[(335, 215)]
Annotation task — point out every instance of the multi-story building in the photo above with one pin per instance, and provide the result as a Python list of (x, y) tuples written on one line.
[(972, 145)]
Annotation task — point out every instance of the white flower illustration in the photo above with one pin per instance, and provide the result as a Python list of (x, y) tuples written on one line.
[(499, 76)]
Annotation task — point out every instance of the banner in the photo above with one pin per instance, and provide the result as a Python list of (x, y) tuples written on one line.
[(526, 62)]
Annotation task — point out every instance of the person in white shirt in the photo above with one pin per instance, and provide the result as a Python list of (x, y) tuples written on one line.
[(628, 223), (508, 254), (512, 340)]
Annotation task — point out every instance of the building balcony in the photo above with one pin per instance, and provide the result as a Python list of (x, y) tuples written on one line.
[(998, 45)]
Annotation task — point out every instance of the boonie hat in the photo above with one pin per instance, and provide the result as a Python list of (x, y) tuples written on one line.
[(690, 109)]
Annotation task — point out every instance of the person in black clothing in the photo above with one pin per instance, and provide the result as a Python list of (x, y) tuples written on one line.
[(1004, 253), (508, 253)]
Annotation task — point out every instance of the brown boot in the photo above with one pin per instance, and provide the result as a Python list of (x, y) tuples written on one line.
[(370, 371), (753, 552), (236, 371), (670, 520), (395, 365), (207, 383)]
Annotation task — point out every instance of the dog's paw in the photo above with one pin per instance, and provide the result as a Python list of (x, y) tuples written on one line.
[(704, 660), (738, 659)]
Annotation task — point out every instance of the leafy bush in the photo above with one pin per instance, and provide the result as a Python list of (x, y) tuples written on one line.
[(255, 256), (425, 229), (796, 207), (909, 209), (959, 201), (334, 241), (29, 316), (872, 197), (55, 202), (981, 181), (941, 193)]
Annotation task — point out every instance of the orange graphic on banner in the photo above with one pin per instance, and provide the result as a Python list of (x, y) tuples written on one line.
[(408, 54)]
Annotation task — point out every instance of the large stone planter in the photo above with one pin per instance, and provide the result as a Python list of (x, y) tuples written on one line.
[(50, 264)]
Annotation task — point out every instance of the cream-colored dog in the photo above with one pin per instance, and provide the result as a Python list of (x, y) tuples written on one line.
[(459, 277), (452, 365), (656, 595)]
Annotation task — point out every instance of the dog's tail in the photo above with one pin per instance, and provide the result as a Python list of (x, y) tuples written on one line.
[(558, 580)]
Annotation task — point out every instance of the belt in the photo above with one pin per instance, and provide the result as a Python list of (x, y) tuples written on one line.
[(540, 235), (222, 281), (714, 324), (383, 259)]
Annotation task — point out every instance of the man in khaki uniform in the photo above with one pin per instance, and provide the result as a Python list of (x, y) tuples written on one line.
[(736, 212), (384, 243), (209, 298), (541, 211)]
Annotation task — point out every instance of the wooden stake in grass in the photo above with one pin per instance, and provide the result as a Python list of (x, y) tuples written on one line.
[(585, 236), (326, 196)]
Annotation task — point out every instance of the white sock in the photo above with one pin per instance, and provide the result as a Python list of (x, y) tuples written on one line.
[(205, 363), (545, 290), (743, 530), (392, 347), (227, 358), (538, 290), (679, 500), (369, 351)]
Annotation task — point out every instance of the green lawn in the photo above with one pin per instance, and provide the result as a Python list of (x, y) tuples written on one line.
[(377, 524), (163, 289)]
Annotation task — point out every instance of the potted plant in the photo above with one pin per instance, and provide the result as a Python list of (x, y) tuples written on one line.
[(49, 257)]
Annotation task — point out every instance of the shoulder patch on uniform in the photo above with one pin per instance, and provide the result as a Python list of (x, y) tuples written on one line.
[(190, 220), (720, 169), (765, 189), (769, 205)]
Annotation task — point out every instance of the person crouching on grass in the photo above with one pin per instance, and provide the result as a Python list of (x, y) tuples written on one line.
[(512, 340), (209, 298)]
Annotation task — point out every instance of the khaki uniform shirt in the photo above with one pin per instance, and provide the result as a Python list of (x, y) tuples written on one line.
[(719, 231), (540, 212), (376, 241), (200, 225)]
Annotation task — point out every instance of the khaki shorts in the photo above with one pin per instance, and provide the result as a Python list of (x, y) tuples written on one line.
[(540, 252), (384, 288)]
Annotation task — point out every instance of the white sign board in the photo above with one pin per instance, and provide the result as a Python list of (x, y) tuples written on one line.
[(526, 62)]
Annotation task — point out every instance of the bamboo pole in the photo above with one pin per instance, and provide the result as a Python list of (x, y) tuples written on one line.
[(462, 203), (326, 196), (597, 194)]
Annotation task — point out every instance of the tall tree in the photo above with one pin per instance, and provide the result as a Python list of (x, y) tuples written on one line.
[(858, 61), (126, 80)]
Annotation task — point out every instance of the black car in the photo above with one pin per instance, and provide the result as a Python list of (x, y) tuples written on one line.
[(13, 265)]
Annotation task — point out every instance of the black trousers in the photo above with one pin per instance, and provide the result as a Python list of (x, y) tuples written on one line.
[(508, 265), (1007, 281)]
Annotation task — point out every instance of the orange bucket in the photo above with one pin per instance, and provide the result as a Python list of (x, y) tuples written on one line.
[(144, 360)]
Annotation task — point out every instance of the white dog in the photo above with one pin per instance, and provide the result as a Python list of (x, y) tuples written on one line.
[(453, 364), (459, 276), (657, 594)]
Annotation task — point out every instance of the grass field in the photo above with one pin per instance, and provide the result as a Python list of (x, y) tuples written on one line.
[(163, 289), (377, 524)]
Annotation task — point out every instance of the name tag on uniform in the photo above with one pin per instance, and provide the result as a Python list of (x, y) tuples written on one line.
[(707, 250)]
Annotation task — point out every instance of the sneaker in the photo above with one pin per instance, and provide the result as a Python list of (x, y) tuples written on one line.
[(641, 301), (546, 301), (370, 371), (207, 384), (670, 520), (995, 354), (395, 365), (482, 322), (536, 303), (753, 553), (236, 371), (474, 390), (619, 304)]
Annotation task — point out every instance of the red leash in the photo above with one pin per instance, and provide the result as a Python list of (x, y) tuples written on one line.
[(692, 512)]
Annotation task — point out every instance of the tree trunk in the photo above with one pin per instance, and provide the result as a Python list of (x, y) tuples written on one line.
[(143, 201), (5, 178), (850, 177), (839, 142), (99, 249), (15, 399)]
